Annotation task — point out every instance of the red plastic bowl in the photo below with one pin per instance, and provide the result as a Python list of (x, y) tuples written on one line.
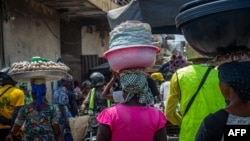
[(131, 57)]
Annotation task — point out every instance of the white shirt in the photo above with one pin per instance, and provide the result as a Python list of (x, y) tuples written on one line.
[(118, 96), (164, 89)]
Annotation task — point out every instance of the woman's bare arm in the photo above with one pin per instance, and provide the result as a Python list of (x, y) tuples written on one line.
[(106, 92), (57, 132), (103, 133), (161, 135), (13, 132)]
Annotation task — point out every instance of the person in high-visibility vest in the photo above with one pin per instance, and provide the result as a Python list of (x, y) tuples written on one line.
[(94, 101), (184, 85)]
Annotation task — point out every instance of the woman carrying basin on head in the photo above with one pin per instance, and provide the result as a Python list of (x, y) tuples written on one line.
[(133, 119)]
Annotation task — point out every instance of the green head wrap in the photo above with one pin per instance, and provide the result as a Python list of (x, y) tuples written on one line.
[(135, 83)]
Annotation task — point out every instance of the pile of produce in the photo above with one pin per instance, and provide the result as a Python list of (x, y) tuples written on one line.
[(37, 67)]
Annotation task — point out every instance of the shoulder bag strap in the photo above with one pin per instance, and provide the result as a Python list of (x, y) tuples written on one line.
[(201, 83), (5, 91), (178, 84)]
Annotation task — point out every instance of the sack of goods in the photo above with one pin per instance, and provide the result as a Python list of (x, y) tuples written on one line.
[(130, 46), (78, 126)]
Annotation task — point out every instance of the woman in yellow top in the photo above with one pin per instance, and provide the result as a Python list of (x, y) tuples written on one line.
[(11, 100)]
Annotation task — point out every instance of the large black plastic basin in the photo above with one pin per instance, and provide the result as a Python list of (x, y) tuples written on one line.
[(216, 27)]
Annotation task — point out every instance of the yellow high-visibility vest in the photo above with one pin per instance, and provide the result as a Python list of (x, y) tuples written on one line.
[(92, 102), (208, 100)]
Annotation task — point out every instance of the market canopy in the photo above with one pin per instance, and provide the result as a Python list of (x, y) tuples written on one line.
[(160, 14), (103, 69)]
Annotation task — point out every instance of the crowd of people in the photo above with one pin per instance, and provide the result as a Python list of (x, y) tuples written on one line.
[(196, 97), (27, 115)]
